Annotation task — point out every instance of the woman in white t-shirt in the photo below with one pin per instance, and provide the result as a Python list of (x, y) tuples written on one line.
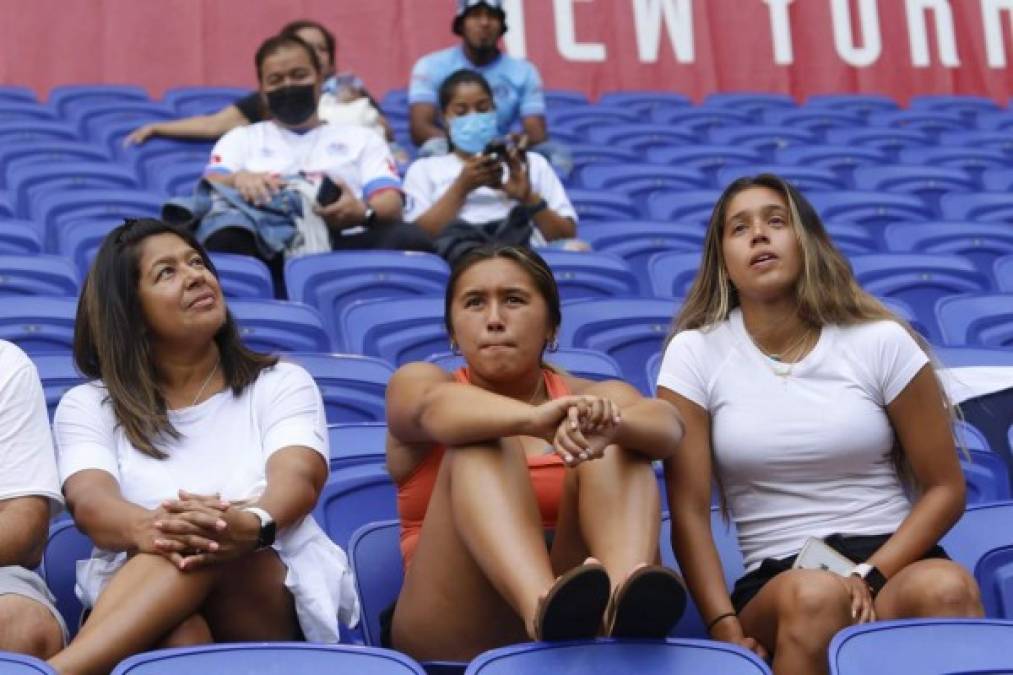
[(816, 408), (477, 197), (192, 463)]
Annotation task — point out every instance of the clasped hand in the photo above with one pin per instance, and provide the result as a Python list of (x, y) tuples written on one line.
[(580, 428)]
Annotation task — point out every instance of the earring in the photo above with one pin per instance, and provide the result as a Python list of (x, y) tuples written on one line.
[(454, 348), (553, 344)]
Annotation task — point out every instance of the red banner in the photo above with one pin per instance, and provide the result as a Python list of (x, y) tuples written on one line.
[(800, 47)]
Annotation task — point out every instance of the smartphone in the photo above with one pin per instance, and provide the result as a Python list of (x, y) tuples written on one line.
[(328, 193), (496, 150), (816, 554)]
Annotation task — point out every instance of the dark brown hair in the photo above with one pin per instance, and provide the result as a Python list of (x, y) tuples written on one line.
[(292, 29), (111, 340), (276, 43)]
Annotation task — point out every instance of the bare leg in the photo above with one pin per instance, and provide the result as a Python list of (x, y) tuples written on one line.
[(28, 627), (193, 631), (250, 601), (928, 588), (795, 615), (481, 563)]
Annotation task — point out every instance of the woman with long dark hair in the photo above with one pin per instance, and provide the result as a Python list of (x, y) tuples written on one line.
[(192, 463)]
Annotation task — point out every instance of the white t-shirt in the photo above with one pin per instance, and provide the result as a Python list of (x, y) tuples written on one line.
[(356, 155), (429, 178), (224, 446), (27, 461), (806, 454)]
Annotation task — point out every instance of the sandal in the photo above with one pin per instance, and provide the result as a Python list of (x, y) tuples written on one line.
[(648, 604), (573, 607)]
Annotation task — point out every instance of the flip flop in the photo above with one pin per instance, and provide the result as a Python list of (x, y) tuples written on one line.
[(648, 604), (574, 606)]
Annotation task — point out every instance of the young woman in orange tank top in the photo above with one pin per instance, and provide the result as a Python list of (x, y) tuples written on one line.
[(492, 458)]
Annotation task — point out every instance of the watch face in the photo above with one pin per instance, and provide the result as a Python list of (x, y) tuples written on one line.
[(267, 534)]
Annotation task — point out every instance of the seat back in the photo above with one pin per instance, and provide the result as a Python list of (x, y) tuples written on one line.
[(65, 547), (352, 497), (357, 443), (46, 275), (279, 326), (375, 554), (977, 320), (584, 274), (982, 541), (22, 664), (39, 324), (58, 374), (672, 273), (243, 276), (353, 387), (399, 331)]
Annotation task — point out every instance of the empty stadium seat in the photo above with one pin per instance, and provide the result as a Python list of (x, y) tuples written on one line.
[(188, 101), (926, 181), (886, 139), (986, 475), (966, 357), (752, 103), (577, 120), (645, 103), (804, 178), (672, 273), (584, 274), (13, 92), (707, 158), (35, 131), (353, 496), (398, 330), (763, 138), (639, 137), (925, 646), (816, 120), (988, 207), (993, 140), (995, 121), (587, 154), (21, 664), (79, 240), (292, 658), (357, 443), (701, 120), (92, 119), (66, 546), (58, 374), (672, 656), (586, 363), (638, 180), (48, 275), (977, 320), (997, 180), (636, 241), (375, 554), (352, 386), (869, 208), (851, 238), (971, 159), (52, 153), (19, 238), (982, 243), (277, 326), (982, 541), (16, 111), (57, 208), (158, 154), (840, 158), (333, 281), (66, 97), (928, 121), (243, 276), (1002, 270), (564, 97), (38, 324), (29, 183), (690, 206), (966, 106), (629, 330), (863, 104), (596, 205), (179, 180)]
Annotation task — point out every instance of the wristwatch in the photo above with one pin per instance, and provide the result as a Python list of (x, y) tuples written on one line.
[(872, 577), (536, 208), (370, 216), (268, 529)]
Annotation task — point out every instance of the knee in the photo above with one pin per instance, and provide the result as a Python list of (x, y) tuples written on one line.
[(29, 628), (950, 592), (814, 606)]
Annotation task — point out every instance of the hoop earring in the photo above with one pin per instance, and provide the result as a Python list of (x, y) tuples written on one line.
[(553, 344), (454, 349)]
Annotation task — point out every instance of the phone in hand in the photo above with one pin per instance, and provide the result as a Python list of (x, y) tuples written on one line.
[(496, 150), (816, 554), (328, 193)]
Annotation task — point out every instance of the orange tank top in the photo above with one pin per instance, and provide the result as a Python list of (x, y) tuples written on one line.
[(546, 471)]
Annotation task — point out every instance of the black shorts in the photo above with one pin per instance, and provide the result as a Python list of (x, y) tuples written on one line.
[(857, 548)]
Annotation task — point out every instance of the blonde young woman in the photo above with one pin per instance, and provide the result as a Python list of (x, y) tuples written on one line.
[(818, 412)]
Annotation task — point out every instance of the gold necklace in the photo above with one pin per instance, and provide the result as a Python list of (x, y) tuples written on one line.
[(783, 367), (205, 385)]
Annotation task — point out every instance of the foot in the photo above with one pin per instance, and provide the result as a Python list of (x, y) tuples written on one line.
[(648, 604), (572, 608)]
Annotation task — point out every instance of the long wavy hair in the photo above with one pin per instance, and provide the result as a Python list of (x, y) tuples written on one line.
[(111, 338), (826, 293)]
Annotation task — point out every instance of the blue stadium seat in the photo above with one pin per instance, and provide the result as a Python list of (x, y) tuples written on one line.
[(353, 496), (19, 238), (766, 139), (59, 374), (982, 542), (243, 276), (278, 326), (331, 282), (816, 120), (982, 243), (375, 554), (67, 97), (79, 240), (919, 279), (995, 121), (65, 547), (805, 178), (159, 154), (398, 330), (13, 92), (967, 357), (988, 207), (34, 131), (636, 241), (974, 160), (596, 205), (639, 180), (986, 475), (869, 208), (690, 206), (6, 205), (930, 122), (707, 158), (702, 120), (584, 274), (997, 180), (178, 180), (93, 118), (21, 664), (292, 658), (14, 157), (672, 656), (1002, 271), (58, 208), (888, 140), (862, 104), (926, 181), (352, 386), (577, 121), (398, 98), (672, 273), (38, 324), (923, 646), (640, 137), (29, 183), (904, 311), (188, 101), (752, 103), (976, 320), (48, 275), (586, 363), (966, 106), (851, 239), (563, 97), (17, 111), (357, 443), (645, 103), (991, 140), (629, 330), (840, 158), (587, 154)]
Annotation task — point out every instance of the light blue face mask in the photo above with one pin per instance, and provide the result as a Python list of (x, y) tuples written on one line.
[(472, 132)]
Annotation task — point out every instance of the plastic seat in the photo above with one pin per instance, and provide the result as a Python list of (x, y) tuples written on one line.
[(641, 137), (66, 545), (352, 386), (29, 182), (17, 111), (333, 281), (159, 154), (629, 330), (752, 103), (22, 664), (931, 122), (889, 140), (188, 101), (577, 120), (977, 320), (561, 97), (639, 179), (79, 241), (863, 104), (988, 207), (929, 646), (851, 239), (59, 375), (596, 205), (6, 206), (375, 554), (919, 279), (982, 541), (178, 180), (703, 119), (986, 475), (997, 180), (279, 326), (763, 138), (925, 181), (671, 656), (65, 97), (52, 153), (243, 276), (805, 178), (47, 275), (707, 158), (584, 274), (965, 357), (992, 140), (92, 118), (982, 243), (19, 238), (586, 363), (965, 106), (868, 207), (353, 496), (904, 311), (398, 330), (636, 241), (816, 120), (56, 208), (690, 206), (38, 324), (589, 154), (1002, 270), (292, 658), (34, 131), (974, 160), (13, 92), (995, 121), (672, 273), (645, 103), (839, 158), (357, 443)]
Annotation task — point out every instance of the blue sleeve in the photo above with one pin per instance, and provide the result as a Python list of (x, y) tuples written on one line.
[(533, 94), (424, 85)]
